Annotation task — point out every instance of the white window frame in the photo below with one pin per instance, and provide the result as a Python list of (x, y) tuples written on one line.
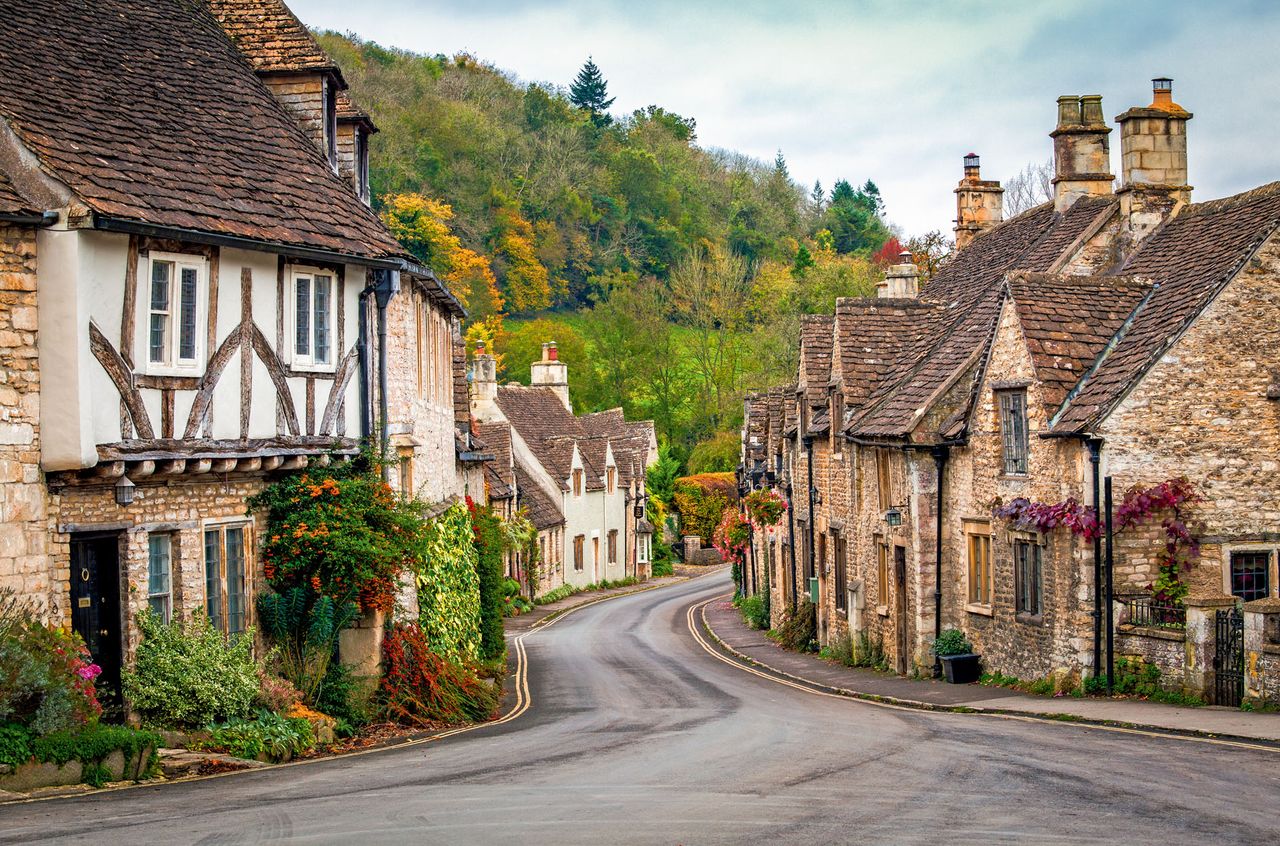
[(172, 365), (307, 361)]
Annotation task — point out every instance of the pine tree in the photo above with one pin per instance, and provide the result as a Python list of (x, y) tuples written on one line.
[(818, 195), (780, 166), (590, 91)]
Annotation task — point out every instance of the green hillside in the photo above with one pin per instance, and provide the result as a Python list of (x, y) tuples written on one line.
[(671, 275)]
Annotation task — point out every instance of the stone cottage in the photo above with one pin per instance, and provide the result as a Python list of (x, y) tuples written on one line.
[(580, 476), (1124, 335), (196, 292)]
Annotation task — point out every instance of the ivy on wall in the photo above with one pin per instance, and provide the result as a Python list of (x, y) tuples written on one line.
[(449, 586)]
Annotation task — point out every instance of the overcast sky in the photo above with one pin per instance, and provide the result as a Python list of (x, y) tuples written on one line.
[(897, 92)]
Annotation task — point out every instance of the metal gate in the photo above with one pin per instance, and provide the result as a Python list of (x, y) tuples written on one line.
[(1228, 658)]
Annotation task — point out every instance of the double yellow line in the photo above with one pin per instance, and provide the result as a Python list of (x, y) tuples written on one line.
[(699, 609)]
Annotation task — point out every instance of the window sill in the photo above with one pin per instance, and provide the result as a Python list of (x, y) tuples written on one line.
[(1029, 619), (299, 367), (975, 608), (1014, 477), (195, 371), (882, 610)]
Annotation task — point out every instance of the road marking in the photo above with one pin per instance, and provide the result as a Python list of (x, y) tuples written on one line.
[(524, 700), (850, 696)]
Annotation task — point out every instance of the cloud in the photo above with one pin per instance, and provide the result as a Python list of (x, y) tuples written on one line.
[(893, 91)]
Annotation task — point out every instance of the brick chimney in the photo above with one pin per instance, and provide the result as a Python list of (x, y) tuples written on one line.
[(484, 384), (552, 373), (1081, 151), (979, 203), (902, 280), (1153, 161)]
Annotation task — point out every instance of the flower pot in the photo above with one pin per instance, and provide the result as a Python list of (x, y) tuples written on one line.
[(961, 669)]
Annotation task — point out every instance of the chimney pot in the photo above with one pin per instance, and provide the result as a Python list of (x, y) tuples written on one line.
[(1091, 110), (1068, 110), (553, 354)]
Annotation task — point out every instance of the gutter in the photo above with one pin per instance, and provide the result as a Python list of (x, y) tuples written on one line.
[(1095, 458), (812, 566), (42, 220), (791, 547), (385, 287), (940, 454), (196, 236), (366, 404)]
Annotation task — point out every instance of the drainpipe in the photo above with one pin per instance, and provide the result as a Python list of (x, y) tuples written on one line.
[(386, 286), (791, 547), (1095, 459), (813, 567), (1110, 588), (366, 405), (940, 455)]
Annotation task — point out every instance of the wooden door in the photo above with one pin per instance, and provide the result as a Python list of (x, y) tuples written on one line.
[(95, 609)]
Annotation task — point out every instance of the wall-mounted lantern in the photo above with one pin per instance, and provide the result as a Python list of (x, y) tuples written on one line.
[(125, 490), (893, 516)]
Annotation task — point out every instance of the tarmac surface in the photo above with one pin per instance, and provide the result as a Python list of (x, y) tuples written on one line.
[(635, 733)]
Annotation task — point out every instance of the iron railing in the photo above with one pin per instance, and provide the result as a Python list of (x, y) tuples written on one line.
[(1145, 611)]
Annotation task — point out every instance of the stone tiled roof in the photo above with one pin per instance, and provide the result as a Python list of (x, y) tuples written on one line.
[(543, 513), (971, 288), (815, 356), (12, 201), (349, 111), (779, 398), (756, 425), (1190, 258), (187, 138), (499, 471), (874, 338), (461, 392), (271, 36), (1067, 322)]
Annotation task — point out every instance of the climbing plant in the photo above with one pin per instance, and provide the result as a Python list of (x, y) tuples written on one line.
[(1140, 505), (449, 586), (490, 545)]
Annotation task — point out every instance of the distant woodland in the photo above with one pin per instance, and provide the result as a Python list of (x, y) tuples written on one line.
[(672, 276)]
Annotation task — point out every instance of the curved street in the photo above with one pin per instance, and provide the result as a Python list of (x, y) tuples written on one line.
[(636, 735)]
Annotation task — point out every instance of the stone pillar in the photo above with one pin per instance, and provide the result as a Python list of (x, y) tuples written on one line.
[(692, 543), (1261, 636), (360, 647), (1201, 642)]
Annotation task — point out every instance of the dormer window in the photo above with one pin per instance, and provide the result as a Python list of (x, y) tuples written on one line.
[(611, 479), (331, 122), (312, 315), (174, 303), (577, 483)]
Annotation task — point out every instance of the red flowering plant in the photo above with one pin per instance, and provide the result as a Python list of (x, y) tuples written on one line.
[(422, 688), (341, 531), (1139, 505), (731, 536), (47, 678), (765, 507)]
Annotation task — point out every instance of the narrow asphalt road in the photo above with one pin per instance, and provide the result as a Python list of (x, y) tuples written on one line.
[(637, 735)]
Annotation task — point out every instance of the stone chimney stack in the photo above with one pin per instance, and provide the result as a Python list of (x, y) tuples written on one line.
[(484, 384), (1081, 151), (552, 373), (1153, 161), (902, 280), (979, 203)]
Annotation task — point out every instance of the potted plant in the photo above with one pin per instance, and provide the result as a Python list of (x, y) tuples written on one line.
[(959, 663)]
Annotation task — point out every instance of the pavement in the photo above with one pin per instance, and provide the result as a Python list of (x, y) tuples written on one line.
[(726, 624), (631, 726)]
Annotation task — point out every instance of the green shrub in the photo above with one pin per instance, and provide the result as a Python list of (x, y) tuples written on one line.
[(753, 612), (346, 697), (187, 673), (799, 630), (15, 744), (304, 626), (868, 651), (841, 649), (562, 592), (91, 746), (449, 586), (701, 500), (269, 735), (952, 642), (488, 535)]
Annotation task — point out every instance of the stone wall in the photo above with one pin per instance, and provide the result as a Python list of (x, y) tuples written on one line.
[(420, 399), (181, 507), (1167, 649), (1202, 412), (25, 565), (1059, 640), (302, 95)]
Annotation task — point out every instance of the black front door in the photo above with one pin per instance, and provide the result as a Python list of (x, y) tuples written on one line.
[(95, 609)]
